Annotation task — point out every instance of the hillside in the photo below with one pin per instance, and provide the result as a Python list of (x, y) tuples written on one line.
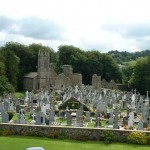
[(121, 57)]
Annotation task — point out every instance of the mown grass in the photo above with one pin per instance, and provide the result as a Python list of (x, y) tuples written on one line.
[(19, 94), (21, 143)]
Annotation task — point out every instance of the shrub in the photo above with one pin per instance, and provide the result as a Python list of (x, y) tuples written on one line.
[(108, 136), (148, 139), (148, 128), (137, 138), (131, 128)]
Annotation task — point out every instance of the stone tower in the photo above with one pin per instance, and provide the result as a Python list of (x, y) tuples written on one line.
[(67, 70), (43, 69)]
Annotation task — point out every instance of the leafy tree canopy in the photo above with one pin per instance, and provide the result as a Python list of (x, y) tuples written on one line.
[(140, 78)]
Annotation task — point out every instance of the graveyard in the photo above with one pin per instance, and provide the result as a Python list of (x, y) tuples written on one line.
[(82, 109), (62, 106), (106, 108)]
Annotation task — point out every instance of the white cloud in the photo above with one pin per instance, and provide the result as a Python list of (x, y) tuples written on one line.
[(97, 24)]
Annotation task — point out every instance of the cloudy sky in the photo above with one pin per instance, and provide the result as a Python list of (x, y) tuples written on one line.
[(88, 24)]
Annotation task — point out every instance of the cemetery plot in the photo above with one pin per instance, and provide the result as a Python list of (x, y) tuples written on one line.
[(79, 107)]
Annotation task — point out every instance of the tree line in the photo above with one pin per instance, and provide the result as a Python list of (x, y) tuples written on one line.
[(17, 59), (124, 56)]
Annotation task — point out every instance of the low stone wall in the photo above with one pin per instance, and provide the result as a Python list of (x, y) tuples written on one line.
[(65, 132)]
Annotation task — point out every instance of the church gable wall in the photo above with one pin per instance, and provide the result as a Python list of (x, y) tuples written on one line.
[(62, 82)]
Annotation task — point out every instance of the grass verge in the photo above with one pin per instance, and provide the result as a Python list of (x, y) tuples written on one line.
[(22, 142)]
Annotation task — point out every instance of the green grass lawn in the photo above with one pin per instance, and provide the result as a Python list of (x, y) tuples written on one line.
[(19, 94), (20, 143)]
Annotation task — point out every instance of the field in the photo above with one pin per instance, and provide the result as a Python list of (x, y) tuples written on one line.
[(21, 143)]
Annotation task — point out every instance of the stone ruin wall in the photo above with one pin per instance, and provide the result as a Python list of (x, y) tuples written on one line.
[(76, 79), (96, 81), (62, 82)]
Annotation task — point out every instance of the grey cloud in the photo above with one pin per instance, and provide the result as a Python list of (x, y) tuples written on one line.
[(5, 23), (40, 29), (139, 30), (140, 33), (135, 31), (32, 27)]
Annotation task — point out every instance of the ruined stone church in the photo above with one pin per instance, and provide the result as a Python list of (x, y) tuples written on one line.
[(46, 77)]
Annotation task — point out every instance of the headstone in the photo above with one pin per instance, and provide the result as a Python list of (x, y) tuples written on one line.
[(22, 119), (12, 107), (21, 102), (140, 125), (48, 106), (6, 105), (21, 111), (18, 109), (5, 117), (125, 120), (33, 117), (69, 121), (43, 108), (52, 117), (97, 122), (133, 102), (27, 96), (43, 119), (145, 122), (88, 119), (38, 119), (147, 100), (131, 118), (116, 126), (111, 119), (62, 114), (138, 110), (79, 119), (2, 107)]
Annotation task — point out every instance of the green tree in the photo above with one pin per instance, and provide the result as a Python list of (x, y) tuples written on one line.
[(20, 56), (2, 64), (11, 63), (140, 78), (110, 70), (5, 86), (27, 58), (127, 71), (70, 55), (89, 63)]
